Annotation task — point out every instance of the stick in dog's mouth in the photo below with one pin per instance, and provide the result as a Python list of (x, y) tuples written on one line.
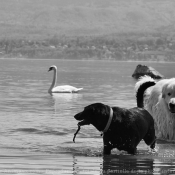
[(79, 127), (83, 122)]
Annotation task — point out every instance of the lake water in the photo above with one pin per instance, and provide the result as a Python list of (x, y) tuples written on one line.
[(37, 129)]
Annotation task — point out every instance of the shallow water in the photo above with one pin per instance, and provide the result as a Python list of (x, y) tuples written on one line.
[(37, 128)]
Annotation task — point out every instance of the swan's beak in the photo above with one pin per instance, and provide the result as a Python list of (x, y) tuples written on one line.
[(49, 69)]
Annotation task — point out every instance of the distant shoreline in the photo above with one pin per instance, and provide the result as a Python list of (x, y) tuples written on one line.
[(89, 60), (154, 48)]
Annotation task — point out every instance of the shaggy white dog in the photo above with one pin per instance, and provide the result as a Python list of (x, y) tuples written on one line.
[(159, 100)]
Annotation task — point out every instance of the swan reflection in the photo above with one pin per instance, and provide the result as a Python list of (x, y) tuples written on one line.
[(65, 100)]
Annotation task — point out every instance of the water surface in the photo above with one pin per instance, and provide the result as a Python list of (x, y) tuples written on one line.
[(37, 128)]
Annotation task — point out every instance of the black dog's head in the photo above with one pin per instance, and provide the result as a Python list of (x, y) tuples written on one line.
[(96, 114)]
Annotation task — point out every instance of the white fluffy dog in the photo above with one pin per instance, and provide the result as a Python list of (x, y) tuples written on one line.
[(159, 100)]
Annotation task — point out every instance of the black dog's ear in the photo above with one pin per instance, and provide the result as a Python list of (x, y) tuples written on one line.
[(102, 115), (90, 110)]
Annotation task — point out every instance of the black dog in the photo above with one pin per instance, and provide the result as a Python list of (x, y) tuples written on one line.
[(122, 128)]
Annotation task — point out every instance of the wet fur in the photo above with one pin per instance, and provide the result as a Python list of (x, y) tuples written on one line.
[(127, 129)]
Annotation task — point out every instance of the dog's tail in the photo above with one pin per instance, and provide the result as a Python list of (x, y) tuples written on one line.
[(140, 87)]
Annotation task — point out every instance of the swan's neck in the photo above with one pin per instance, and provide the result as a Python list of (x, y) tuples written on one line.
[(53, 81)]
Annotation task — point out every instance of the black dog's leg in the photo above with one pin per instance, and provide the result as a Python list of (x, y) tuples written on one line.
[(132, 150), (132, 145), (106, 150), (150, 138), (152, 146), (107, 146)]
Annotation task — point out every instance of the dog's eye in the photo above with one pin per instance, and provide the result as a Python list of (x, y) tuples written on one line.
[(169, 94)]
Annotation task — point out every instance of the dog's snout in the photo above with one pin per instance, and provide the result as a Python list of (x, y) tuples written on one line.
[(78, 116)]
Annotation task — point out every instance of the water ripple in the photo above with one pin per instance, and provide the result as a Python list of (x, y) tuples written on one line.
[(41, 132)]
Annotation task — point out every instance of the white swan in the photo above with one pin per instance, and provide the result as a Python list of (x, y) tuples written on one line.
[(60, 89)]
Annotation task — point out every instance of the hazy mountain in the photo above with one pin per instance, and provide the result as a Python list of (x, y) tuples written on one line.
[(44, 18)]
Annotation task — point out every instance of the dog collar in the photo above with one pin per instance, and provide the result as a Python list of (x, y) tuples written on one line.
[(109, 122)]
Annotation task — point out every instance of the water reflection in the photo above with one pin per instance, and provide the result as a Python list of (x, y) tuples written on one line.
[(122, 164), (88, 165), (78, 165), (128, 164), (144, 162), (65, 100), (163, 166)]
